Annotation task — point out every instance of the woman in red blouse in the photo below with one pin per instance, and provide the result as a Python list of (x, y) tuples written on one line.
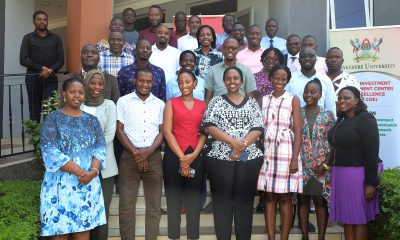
[(182, 164)]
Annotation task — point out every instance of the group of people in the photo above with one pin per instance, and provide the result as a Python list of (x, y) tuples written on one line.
[(252, 113)]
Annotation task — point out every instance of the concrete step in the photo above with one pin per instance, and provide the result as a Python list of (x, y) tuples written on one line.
[(292, 236), (207, 225)]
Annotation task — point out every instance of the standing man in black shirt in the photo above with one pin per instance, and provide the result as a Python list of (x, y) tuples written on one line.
[(43, 55)]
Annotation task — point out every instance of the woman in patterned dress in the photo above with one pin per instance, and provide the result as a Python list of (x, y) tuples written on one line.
[(206, 55), (281, 173), (315, 156), (74, 149), (269, 58), (234, 157)]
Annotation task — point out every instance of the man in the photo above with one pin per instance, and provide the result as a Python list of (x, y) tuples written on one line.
[(227, 24), (311, 42), (42, 54), (180, 24), (307, 72), (113, 59), (130, 33), (165, 56), (239, 34), (340, 79), (117, 25), (90, 59), (155, 17), (251, 56), (293, 45), (271, 40), (140, 118), (189, 41), (214, 80), (127, 74)]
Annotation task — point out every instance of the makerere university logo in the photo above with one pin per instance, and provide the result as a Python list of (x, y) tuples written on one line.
[(367, 50)]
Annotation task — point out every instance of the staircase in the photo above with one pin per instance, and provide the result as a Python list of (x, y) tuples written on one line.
[(334, 232)]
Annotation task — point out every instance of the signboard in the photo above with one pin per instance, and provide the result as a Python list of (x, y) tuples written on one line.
[(371, 54)]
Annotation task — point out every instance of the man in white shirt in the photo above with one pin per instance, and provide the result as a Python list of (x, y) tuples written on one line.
[(164, 55), (320, 65), (271, 40), (293, 45), (307, 72), (189, 41), (140, 118), (340, 79)]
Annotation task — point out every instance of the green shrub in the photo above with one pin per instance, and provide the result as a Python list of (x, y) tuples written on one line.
[(19, 209), (34, 128), (387, 224)]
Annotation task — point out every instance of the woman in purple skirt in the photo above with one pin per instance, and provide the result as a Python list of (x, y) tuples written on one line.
[(355, 141)]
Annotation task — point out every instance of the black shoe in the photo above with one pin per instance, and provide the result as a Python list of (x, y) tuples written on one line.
[(208, 208), (311, 227), (260, 209), (163, 212), (305, 238)]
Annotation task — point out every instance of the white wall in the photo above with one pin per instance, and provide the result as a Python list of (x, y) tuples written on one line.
[(260, 9), (18, 23), (18, 15)]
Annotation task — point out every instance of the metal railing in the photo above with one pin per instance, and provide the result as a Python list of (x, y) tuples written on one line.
[(15, 110)]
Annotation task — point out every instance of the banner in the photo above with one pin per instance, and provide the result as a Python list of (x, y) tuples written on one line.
[(372, 55)]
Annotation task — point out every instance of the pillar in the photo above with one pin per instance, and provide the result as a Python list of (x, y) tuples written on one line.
[(87, 22)]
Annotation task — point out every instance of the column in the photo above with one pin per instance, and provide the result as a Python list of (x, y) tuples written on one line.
[(87, 22)]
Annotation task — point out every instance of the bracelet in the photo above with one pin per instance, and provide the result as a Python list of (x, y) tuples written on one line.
[(326, 166), (97, 170)]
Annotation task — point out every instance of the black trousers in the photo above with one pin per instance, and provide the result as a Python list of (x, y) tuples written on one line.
[(177, 187), (233, 186), (38, 90)]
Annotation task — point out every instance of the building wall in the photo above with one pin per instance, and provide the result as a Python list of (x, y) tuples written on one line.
[(18, 15), (260, 9)]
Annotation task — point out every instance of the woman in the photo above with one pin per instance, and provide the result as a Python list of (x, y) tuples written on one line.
[(105, 111), (234, 123), (269, 58), (206, 54), (187, 61), (355, 142), (280, 174), (182, 165), (315, 155), (74, 149)]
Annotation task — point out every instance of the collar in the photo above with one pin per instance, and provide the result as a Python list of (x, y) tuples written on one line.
[(290, 55), (84, 74), (154, 47), (135, 66), (284, 95), (148, 99), (249, 50), (235, 64), (109, 53)]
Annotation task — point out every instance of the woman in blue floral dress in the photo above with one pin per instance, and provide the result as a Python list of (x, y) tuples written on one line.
[(73, 147)]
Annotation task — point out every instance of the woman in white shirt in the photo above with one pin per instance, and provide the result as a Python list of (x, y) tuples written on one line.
[(106, 112)]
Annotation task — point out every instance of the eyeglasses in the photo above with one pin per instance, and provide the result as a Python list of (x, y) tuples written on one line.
[(271, 59), (227, 48), (238, 30)]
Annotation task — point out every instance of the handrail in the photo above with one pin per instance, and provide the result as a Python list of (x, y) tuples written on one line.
[(27, 74)]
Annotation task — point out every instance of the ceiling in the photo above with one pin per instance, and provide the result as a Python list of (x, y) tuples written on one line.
[(57, 9)]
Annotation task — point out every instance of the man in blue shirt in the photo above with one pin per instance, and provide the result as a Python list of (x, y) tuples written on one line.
[(126, 75)]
